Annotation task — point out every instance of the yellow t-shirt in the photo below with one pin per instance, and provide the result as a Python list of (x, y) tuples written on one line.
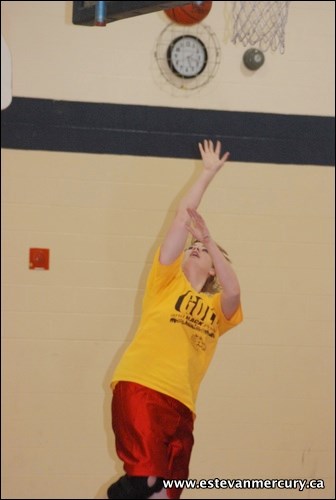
[(177, 335)]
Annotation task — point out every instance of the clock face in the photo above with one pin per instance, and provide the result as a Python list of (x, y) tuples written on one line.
[(187, 56)]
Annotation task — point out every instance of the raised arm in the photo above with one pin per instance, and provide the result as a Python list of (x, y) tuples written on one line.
[(177, 234), (227, 278)]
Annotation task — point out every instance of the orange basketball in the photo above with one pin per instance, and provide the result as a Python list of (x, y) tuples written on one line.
[(189, 14)]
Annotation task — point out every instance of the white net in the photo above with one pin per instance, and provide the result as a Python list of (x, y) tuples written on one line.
[(260, 24)]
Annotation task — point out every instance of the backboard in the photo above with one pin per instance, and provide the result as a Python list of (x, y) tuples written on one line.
[(84, 13)]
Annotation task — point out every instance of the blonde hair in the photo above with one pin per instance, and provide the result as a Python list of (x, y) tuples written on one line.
[(211, 285)]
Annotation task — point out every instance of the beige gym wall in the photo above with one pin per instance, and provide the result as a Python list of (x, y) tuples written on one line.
[(265, 408)]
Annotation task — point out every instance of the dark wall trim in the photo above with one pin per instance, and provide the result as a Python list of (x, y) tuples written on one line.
[(43, 124)]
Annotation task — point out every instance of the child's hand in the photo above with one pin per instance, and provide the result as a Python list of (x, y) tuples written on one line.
[(212, 160), (197, 226)]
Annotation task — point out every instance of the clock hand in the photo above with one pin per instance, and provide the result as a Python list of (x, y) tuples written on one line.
[(190, 58)]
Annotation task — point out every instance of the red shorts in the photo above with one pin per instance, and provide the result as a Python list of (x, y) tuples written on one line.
[(154, 433)]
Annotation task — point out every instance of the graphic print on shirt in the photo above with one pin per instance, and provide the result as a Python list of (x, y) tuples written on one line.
[(193, 311)]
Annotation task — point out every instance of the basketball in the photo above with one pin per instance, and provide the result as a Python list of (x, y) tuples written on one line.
[(189, 14)]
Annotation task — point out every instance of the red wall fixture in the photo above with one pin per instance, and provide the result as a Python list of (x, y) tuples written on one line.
[(39, 258)]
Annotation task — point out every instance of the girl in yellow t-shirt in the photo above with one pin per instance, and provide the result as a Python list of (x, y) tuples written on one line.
[(192, 297)]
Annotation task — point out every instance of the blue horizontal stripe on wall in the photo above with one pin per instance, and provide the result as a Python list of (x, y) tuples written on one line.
[(43, 124)]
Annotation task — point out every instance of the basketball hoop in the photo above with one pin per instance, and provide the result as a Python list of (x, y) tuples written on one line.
[(260, 23)]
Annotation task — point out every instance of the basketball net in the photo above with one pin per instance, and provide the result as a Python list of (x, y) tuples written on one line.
[(260, 23)]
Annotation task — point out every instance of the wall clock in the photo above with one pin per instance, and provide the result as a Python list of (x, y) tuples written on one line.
[(188, 57)]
